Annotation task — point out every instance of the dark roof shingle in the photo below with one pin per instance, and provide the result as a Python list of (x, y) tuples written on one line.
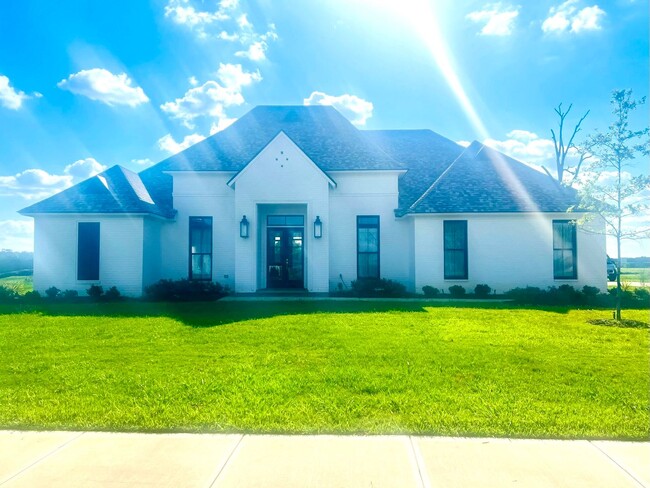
[(116, 190)]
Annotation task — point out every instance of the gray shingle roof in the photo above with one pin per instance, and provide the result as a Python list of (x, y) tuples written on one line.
[(482, 179), (441, 177), (425, 153), (116, 190), (322, 133)]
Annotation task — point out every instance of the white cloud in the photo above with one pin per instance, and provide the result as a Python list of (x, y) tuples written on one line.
[(497, 19), (193, 81), (255, 52), (10, 97), (463, 143), (36, 184), (183, 12), (225, 21), (212, 98), (168, 143), (103, 86), (567, 16), (221, 125), (17, 235), (33, 184), (356, 109), (234, 77), (84, 168), (527, 147), (142, 163)]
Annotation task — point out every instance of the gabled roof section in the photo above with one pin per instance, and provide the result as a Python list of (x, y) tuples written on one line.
[(116, 190), (424, 153), (321, 132), (281, 134), (482, 179)]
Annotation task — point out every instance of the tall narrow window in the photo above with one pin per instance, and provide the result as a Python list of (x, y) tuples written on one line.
[(88, 251), (367, 246), (455, 242), (201, 248), (565, 266)]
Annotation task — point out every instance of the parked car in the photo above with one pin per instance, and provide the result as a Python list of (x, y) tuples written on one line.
[(612, 270)]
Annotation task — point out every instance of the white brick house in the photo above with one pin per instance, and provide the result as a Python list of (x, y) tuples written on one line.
[(297, 197)]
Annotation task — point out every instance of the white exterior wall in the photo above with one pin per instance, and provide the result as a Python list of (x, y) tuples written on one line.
[(151, 252), (201, 194), (368, 193), (120, 253), (281, 175), (506, 251)]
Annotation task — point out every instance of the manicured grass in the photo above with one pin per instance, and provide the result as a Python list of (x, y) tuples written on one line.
[(336, 367), (21, 284)]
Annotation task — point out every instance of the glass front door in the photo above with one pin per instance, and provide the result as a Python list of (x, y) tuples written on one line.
[(284, 258)]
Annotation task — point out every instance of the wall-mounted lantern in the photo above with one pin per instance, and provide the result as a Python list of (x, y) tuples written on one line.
[(243, 228), (318, 228)]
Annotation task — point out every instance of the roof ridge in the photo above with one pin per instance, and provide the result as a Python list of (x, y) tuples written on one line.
[(442, 175)]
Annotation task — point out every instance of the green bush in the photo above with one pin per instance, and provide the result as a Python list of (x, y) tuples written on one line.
[(184, 291), (52, 292), (32, 296), (590, 291), (457, 291), (430, 291), (482, 291), (112, 294), (95, 291), (642, 294), (379, 288), (70, 294), (7, 294)]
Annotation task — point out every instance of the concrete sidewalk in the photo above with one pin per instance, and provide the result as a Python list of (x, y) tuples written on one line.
[(93, 459)]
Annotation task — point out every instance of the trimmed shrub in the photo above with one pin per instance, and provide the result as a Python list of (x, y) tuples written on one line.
[(52, 292), (70, 294), (184, 291), (642, 294), (457, 291), (32, 296), (482, 291), (590, 291), (7, 294), (112, 294), (430, 291), (95, 291), (379, 288)]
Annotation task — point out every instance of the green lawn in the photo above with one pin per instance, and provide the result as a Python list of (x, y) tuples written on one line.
[(335, 367)]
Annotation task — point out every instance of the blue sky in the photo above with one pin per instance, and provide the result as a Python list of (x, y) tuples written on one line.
[(86, 85)]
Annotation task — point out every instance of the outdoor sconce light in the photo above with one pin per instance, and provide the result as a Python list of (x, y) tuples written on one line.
[(243, 228), (318, 228)]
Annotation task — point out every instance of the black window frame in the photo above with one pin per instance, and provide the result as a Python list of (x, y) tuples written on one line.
[(192, 254), (88, 251), (573, 248), (377, 226), (448, 251)]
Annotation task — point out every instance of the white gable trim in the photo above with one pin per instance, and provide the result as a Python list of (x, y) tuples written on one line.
[(234, 179)]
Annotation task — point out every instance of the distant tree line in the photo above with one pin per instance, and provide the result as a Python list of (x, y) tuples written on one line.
[(16, 263)]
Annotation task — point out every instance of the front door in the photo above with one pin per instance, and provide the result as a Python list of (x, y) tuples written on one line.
[(284, 258)]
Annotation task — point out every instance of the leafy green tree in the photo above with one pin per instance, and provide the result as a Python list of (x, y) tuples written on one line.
[(610, 190)]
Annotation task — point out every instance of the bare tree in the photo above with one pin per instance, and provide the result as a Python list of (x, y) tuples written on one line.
[(614, 193), (562, 149)]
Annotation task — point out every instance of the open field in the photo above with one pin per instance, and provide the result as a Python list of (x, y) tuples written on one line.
[(641, 275), (336, 367), (22, 284)]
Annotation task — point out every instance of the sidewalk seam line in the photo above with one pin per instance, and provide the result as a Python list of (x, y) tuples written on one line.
[(42, 458), (232, 452), (419, 462), (619, 465)]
